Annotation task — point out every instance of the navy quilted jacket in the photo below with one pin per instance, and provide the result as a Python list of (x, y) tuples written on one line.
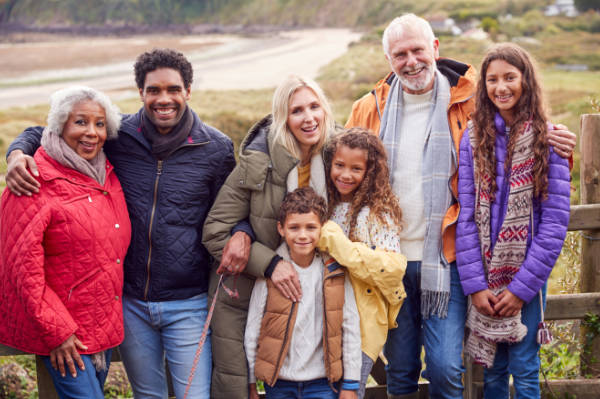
[(167, 201), (550, 219)]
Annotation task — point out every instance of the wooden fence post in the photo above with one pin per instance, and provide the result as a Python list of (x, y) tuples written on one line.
[(590, 251), (46, 388)]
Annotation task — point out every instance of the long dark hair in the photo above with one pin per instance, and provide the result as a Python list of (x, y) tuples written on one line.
[(529, 108)]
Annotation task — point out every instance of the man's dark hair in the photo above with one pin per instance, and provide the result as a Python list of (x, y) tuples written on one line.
[(303, 200), (162, 58)]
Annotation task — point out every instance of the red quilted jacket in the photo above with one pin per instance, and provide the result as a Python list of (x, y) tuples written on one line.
[(61, 254)]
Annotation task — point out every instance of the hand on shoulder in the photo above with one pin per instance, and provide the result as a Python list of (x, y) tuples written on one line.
[(20, 170)]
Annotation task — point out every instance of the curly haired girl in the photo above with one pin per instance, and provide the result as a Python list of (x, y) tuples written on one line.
[(514, 198), (362, 202)]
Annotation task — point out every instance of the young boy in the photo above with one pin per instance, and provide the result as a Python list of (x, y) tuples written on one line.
[(308, 349)]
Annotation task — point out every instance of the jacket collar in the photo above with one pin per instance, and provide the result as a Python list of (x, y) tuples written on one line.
[(462, 78), (131, 125), (50, 169), (500, 124)]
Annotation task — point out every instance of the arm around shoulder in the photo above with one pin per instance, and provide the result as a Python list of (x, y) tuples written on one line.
[(28, 141), (379, 268), (21, 168)]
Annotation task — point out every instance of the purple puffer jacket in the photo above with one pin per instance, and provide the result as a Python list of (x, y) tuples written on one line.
[(550, 219)]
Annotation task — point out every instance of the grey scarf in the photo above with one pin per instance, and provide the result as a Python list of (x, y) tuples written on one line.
[(164, 144), (60, 151), (439, 164)]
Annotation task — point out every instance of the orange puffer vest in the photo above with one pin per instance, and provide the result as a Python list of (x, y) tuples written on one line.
[(278, 325)]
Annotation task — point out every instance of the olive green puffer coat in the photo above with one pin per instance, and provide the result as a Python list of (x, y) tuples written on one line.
[(254, 190)]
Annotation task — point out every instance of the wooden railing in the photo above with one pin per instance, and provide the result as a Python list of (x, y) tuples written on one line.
[(585, 217)]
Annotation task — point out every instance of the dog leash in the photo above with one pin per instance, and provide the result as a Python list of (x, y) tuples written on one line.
[(233, 293)]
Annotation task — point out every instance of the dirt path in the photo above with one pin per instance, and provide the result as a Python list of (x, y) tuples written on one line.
[(220, 62)]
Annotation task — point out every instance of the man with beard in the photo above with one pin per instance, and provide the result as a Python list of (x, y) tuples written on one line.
[(171, 166), (420, 111)]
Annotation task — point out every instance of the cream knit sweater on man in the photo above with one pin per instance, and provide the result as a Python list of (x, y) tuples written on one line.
[(408, 181)]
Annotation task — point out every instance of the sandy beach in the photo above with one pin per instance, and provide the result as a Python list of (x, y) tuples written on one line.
[(31, 71)]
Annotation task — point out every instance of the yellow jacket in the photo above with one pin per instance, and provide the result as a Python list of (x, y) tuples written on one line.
[(376, 278)]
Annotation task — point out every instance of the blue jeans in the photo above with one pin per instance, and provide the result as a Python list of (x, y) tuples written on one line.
[(521, 360), (442, 338), (171, 329), (313, 389), (88, 384)]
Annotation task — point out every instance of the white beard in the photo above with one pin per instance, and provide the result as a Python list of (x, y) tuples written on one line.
[(421, 83)]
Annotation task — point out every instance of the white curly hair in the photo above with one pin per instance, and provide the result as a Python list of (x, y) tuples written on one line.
[(63, 101)]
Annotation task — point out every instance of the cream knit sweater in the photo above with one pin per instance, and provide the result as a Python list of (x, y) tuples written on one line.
[(408, 184)]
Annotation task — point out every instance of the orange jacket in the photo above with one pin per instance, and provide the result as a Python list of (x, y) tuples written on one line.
[(367, 112)]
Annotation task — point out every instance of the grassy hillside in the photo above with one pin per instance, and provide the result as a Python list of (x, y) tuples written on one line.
[(569, 94), (289, 13), (361, 12)]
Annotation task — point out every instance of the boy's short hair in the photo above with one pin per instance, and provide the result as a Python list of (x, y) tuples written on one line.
[(158, 58), (303, 200)]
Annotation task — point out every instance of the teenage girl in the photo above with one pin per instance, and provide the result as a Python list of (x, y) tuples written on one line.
[(514, 198), (362, 202)]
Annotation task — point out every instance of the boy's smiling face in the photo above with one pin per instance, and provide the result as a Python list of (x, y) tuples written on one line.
[(301, 233)]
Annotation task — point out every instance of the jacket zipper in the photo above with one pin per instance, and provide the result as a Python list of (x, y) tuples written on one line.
[(325, 335), (158, 173), (285, 339)]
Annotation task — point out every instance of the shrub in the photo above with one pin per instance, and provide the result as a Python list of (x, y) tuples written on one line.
[(490, 25)]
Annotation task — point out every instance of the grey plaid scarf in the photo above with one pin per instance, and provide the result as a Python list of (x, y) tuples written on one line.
[(439, 164)]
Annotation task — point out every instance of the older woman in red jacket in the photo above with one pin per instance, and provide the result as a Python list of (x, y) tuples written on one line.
[(61, 251)]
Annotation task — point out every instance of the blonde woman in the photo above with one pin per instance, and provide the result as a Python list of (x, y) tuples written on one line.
[(279, 154)]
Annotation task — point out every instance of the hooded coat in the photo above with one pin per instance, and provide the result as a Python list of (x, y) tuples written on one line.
[(253, 191)]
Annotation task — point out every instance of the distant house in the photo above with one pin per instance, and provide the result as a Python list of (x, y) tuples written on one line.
[(561, 7), (476, 34), (571, 67), (444, 25)]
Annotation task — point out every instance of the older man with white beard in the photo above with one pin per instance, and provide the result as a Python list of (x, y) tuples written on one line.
[(420, 111)]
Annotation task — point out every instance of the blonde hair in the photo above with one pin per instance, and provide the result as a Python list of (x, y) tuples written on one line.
[(281, 100)]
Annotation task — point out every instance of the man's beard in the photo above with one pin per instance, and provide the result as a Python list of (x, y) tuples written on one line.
[(422, 82)]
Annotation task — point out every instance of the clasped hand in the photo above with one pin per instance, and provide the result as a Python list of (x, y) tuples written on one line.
[(506, 304)]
